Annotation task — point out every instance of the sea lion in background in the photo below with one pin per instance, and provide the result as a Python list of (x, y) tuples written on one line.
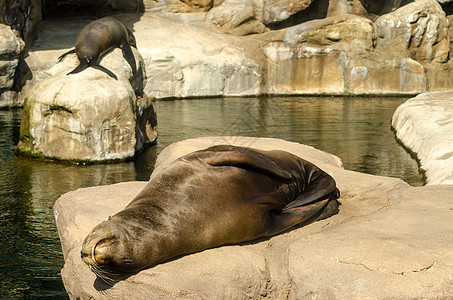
[(220, 195), (99, 37)]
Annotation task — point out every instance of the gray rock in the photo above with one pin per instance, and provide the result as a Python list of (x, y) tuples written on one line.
[(424, 124), (88, 116), (389, 240)]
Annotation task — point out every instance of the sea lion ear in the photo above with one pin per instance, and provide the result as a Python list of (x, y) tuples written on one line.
[(225, 155)]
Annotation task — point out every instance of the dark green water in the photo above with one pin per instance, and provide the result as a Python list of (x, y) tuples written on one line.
[(355, 129)]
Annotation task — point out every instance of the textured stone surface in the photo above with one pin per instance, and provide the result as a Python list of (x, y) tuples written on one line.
[(389, 240), (424, 124), (418, 30), (11, 48), (89, 115), (202, 53)]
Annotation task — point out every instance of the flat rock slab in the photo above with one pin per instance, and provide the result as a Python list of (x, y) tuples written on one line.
[(424, 124), (389, 240)]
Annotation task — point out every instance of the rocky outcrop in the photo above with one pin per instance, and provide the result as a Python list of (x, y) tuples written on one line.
[(418, 31), (10, 49), (198, 54), (388, 241), (424, 125), (88, 116)]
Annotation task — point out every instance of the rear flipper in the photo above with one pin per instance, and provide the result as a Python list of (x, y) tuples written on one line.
[(321, 209), (82, 66), (60, 58), (129, 56), (97, 66)]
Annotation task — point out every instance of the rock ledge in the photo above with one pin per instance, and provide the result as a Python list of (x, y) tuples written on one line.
[(389, 240)]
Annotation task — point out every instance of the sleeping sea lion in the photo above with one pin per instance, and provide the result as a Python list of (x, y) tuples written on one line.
[(99, 37), (221, 195)]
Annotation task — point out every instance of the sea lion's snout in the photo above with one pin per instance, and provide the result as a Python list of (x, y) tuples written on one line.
[(99, 247), (104, 250)]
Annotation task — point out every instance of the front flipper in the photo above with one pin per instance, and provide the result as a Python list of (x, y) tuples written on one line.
[(129, 56), (316, 211), (60, 58), (225, 155), (82, 66), (97, 66)]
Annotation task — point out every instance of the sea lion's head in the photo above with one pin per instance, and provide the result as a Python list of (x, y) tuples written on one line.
[(107, 250)]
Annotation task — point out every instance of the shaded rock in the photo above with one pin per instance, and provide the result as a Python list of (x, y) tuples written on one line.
[(11, 48), (23, 16), (424, 125), (418, 30), (88, 116), (97, 8), (236, 17), (278, 10), (341, 7), (388, 241)]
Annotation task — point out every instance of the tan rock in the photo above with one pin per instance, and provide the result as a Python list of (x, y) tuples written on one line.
[(418, 30), (87, 116), (389, 240), (424, 125)]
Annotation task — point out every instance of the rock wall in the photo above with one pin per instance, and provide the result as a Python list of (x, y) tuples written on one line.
[(256, 47)]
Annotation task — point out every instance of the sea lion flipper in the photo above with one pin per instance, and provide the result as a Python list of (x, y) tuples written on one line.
[(82, 66), (60, 58), (320, 186), (290, 217), (224, 155), (103, 69), (129, 56)]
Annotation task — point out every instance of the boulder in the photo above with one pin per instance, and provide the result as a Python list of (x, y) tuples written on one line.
[(389, 240), (11, 48), (424, 125), (418, 30), (88, 116)]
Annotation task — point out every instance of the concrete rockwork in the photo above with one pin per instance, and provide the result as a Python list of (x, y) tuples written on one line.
[(424, 125), (389, 240), (227, 48)]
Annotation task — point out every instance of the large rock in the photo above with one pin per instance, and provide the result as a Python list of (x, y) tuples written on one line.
[(418, 30), (88, 116), (11, 48), (424, 124), (389, 240)]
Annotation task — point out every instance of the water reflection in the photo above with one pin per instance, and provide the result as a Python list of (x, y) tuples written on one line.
[(356, 129)]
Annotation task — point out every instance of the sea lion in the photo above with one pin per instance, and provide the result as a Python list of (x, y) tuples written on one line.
[(221, 195), (99, 37)]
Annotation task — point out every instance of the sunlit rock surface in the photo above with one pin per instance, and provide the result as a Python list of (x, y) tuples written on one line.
[(424, 124), (88, 116), (389, 240)]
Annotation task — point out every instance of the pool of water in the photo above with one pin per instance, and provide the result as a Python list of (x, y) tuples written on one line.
[(355, 129)]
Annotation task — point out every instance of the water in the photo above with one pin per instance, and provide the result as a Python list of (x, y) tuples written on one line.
[(355, 129)]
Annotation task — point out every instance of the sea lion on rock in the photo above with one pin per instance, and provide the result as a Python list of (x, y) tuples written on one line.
[(99, 37), (221, 195)]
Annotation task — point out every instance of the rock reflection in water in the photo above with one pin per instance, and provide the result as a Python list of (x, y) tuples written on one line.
[(355, 129)]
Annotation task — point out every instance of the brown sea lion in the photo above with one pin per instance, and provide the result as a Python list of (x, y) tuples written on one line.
[(220, 195), (99, 37)]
